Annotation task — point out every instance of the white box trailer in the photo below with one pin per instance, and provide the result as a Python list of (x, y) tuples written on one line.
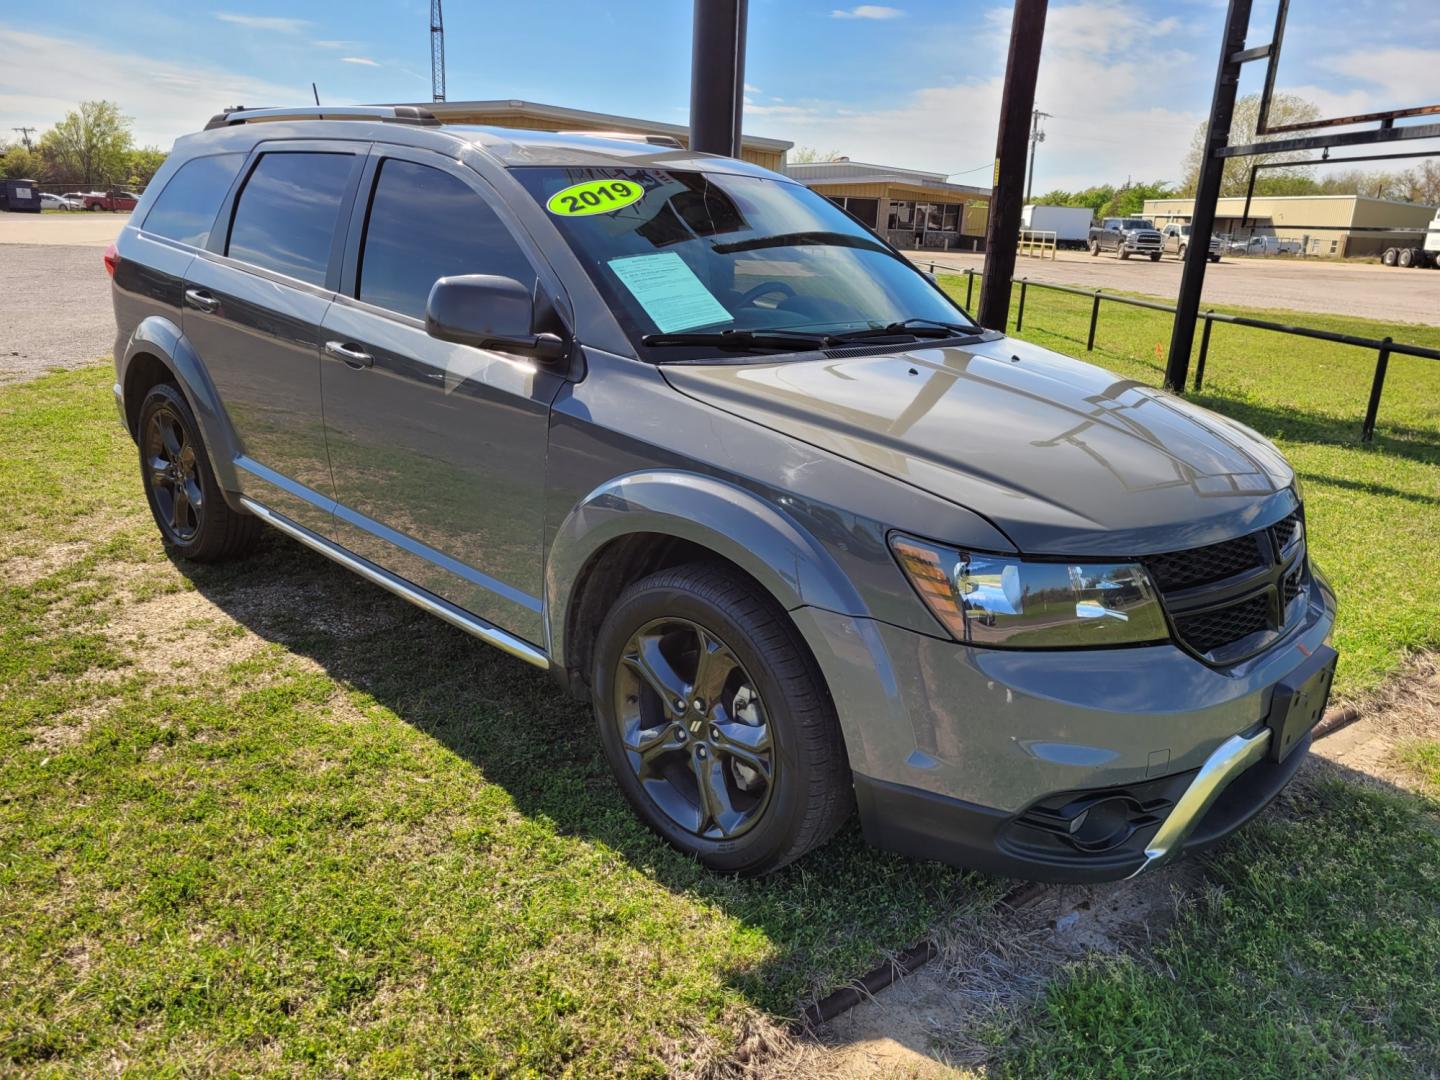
[(1070, 224)]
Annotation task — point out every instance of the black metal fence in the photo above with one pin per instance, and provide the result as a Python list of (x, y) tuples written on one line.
[(1384, 348)]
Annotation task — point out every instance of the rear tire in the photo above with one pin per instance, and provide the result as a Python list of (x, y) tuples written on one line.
[(670, 723), (1181, 253), (1390, 257), (1094, 248), (1406, 258), (185, 499)]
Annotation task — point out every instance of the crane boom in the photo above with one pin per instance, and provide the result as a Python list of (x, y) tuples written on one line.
[(437, 52)]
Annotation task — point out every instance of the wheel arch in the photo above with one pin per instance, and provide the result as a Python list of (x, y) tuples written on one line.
[(158, 352), (642, 522)]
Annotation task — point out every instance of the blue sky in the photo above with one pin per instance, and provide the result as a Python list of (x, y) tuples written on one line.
[(909, 82)]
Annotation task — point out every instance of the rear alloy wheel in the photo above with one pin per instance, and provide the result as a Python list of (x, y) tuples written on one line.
[(1390, 257), (1407, 257), (1181, 252), (716, 722), (1094, 247), (189, 509)]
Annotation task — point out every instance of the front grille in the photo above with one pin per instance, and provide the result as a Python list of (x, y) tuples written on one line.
[(1213, 630), (1202, 566), (1221, 594)]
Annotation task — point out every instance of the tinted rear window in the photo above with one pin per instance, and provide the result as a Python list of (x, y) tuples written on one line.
[(424, 225), (186, 208), (286, 215)]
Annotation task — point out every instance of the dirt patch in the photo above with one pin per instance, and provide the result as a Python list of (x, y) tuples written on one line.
[(1404, 710)]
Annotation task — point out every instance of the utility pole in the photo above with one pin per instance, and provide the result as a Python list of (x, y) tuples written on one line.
[(437, 52), (25, 133), (1037, 136), (1027, 34), (717, 76)]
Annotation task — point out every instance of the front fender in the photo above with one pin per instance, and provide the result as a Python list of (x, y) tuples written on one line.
[(159, 337), (734, 523)]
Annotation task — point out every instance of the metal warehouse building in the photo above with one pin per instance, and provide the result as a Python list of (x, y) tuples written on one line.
[(1324, 224), (910, 208), (533, 116)]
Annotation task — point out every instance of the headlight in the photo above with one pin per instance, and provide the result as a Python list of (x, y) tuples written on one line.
[(999, 600)]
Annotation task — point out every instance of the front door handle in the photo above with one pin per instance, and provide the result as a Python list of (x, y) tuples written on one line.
[(353, 355), (202, 301)]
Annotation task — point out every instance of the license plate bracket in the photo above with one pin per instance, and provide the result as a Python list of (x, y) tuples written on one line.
[(1299, 702)]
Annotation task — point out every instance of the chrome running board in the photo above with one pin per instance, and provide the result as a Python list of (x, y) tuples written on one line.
[(491, 635)]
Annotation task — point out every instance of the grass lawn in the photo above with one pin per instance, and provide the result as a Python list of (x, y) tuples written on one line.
[(1373, 512), (265, 817)]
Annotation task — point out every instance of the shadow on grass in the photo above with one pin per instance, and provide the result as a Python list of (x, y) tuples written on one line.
[(827, 919)]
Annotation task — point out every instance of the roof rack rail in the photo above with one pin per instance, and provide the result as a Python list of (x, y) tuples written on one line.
[(390, 114), (629, 136)]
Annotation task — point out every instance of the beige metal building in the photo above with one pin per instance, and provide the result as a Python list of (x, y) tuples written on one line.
[(533, 116), (910, 208), (1324, 224)]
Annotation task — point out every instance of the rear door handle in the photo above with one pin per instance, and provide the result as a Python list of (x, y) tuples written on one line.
[(353, 355), (202, 301)]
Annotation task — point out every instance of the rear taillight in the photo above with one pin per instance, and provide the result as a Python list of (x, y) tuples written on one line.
[(112, 258)]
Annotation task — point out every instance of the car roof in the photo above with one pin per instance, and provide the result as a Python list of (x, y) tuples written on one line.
[(508, 147)]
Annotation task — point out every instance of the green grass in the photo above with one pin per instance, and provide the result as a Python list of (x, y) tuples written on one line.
[(263, 817), (1373, 511), (1315, 952)]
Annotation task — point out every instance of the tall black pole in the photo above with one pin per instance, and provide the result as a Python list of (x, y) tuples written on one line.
[(717, 76), (1207, 193), (1027, 34)]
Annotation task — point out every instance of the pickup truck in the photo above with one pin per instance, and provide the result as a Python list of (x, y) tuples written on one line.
[(1126, 237), (1176, 238), (110, 200)]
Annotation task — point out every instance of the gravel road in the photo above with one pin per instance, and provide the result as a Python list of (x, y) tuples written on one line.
[(55, 309)]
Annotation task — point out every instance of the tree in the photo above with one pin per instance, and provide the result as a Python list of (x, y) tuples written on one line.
[(144, 164), (91, 146), (1422, 183), (1129, 201), (808, 155), (1284, 109), (22, 164)]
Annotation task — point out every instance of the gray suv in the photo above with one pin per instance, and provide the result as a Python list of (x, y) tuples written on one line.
[(687, 436)]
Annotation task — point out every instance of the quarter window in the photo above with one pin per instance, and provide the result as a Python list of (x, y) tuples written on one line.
[(187, 206), (286, 215), (425, 224)]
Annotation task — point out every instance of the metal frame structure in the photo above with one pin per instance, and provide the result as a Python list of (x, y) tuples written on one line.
[(437, 52), (1233, 57)]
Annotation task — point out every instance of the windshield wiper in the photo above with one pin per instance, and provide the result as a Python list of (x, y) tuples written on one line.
[(804, 239), (788, 340), (917, 327)]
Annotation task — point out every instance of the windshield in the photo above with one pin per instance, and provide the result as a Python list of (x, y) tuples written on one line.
[(1137, 223), (681, 255)]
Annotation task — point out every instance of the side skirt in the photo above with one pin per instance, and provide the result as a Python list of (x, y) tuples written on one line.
[(486, 632)]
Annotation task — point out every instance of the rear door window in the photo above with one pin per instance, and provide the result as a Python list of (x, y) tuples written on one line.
[(287, 212), (425, 224), (186, 208)]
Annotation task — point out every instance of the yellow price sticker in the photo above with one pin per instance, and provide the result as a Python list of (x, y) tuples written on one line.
[(594, 197)]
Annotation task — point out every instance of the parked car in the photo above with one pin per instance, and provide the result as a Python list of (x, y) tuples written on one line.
[(682, 433), (111, 200), (1126, 237), (1176, 239), (59, 202), (1264, 245)]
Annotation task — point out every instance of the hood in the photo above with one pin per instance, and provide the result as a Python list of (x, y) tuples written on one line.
[(1061, 455)]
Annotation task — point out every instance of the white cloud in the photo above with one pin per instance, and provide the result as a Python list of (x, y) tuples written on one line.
[(277, 23), (1097, 77), (1405, 77), (334, 43), (867, 11), (42, 76), (365, 60)]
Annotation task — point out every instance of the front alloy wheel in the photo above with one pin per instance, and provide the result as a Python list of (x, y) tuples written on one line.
[(694, 728)]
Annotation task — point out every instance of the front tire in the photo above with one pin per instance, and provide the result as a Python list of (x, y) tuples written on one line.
[(1155, 257), (716, 721), (1121, 253), (185, 499)]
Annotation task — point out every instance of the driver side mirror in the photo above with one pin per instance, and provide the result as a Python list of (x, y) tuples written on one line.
[(489, 312)]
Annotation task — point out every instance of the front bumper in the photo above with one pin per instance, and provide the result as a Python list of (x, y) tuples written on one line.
[(979, 757)]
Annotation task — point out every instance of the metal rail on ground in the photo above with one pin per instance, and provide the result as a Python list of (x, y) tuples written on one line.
[(1384, 348)]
